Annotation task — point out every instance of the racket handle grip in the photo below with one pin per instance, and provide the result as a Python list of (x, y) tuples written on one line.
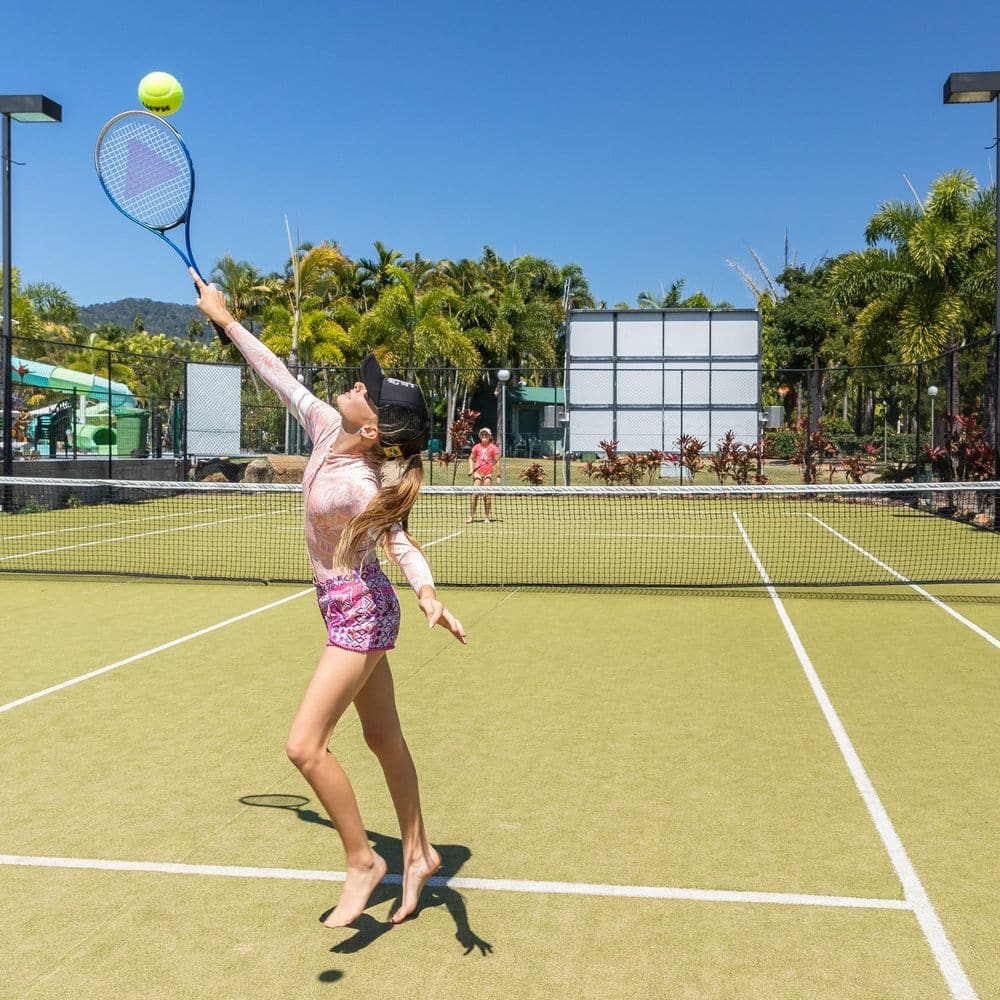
[(219, 332)]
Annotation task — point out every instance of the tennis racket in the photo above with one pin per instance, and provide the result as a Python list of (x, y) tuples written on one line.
[(147, 174)]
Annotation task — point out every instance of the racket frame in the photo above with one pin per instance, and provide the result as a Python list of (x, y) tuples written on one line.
[(184, 218)]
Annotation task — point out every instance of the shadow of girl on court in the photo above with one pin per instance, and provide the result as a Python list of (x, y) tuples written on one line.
[(367, 928)]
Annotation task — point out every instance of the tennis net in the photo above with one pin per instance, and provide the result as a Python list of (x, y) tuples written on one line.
[(669, 536)]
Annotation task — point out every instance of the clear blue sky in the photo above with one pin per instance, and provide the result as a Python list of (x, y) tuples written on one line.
[(646, 141)]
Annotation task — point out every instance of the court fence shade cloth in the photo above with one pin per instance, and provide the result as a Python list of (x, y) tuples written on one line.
[(930, 419), (681, 536)]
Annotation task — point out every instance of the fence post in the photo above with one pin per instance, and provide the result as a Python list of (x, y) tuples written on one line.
[(918, 464), (111, 471)]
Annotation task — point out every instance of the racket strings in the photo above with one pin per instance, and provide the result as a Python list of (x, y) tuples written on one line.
[(146, 172)]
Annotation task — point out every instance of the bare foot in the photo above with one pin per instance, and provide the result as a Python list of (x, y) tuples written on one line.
[(360, 884), (415, 876)]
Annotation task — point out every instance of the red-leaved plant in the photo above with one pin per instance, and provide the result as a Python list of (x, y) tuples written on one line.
[(534, 474)]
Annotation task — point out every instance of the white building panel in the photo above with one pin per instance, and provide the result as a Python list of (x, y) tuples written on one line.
[(743, 423), (592, 383), (589, 428), (734, 336), (688, 335), (639, 430), (639, 383), (593, 335), (733, 383), (640, 335)]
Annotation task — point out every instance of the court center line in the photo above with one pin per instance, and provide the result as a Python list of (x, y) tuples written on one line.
[(993, 640), (174, 642), (488, 884), (913, 890)]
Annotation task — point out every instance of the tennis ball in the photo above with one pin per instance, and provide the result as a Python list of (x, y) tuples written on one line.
[(160, 93)]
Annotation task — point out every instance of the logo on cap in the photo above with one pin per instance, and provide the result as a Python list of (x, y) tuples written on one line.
[(393, 451)]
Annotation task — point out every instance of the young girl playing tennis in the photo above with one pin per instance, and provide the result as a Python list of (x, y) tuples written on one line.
[(348, 511), (484, 459)]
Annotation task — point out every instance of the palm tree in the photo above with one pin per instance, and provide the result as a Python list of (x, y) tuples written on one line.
[(376, 274), (243, 285), (665, 300), (413, 328), (308, 269), (924, 293)]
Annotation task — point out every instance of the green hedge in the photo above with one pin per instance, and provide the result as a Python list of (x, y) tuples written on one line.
[(783, 443)]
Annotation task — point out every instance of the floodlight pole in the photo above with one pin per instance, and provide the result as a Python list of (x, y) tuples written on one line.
[(982, 88), (8, 329), (25, 108)]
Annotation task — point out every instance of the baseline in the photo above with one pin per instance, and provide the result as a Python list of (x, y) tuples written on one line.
[(495, 885), (913, 890)]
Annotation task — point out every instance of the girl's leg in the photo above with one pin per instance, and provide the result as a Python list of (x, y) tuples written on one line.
[(338, 677), (376, 705), (487, 481), (472, 502)]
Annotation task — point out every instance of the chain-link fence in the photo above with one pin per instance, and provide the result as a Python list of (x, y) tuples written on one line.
[(77, 401), (899, 422), (933, 419)]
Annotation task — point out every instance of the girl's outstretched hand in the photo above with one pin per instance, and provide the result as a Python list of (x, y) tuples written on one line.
[(438, 614), (211, 301)]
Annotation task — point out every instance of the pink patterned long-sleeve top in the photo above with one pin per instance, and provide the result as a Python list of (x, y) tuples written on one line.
[(335, 487)]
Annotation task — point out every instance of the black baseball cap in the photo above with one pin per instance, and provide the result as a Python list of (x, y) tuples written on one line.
[(402, 411)]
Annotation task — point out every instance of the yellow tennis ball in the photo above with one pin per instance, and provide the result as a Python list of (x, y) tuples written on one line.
[(160, 93)]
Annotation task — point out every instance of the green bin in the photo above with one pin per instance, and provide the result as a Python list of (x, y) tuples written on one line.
[(133, 430), (95, 437)]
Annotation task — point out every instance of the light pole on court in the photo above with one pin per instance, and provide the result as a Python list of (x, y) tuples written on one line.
[(503, 377), (982, 88), (22, 108), (932, 391)]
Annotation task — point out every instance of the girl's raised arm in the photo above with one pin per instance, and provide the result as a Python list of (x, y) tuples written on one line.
[(298, 400)]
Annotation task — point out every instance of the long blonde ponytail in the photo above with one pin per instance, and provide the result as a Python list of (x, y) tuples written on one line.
[(401, 482)]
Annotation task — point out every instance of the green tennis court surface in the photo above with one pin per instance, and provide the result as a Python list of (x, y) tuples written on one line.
[(634, 794)]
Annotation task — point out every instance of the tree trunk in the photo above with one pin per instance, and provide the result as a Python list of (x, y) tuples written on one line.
[(814, 413), (451, 391)]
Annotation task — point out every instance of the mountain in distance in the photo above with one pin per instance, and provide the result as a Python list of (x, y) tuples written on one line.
[(171, 318)]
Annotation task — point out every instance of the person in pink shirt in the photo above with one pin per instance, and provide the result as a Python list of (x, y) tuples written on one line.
[(483, 461), (348, 514)]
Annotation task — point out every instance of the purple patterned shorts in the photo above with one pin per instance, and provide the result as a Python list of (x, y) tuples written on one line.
[(360, 610)]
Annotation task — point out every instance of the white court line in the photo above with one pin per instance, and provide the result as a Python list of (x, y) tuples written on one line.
[(173, 642), (141, 534), (490, 884), (151, 652), (920, 590), (117, 523), (913, 890)]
